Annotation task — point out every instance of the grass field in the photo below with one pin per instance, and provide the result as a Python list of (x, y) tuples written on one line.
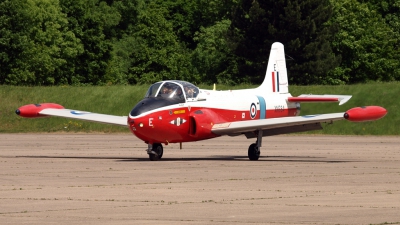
[(119, 100)]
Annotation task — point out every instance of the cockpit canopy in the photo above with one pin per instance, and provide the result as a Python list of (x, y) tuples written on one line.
[(166, 93), (173, 89)]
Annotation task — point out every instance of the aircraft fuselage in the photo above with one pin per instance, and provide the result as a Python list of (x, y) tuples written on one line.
[(193, 119)]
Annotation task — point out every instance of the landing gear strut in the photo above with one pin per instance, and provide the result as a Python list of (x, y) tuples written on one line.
[(155, 151), (254, 149)]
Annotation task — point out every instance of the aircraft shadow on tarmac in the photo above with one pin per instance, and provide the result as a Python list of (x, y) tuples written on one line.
[(300, 159)]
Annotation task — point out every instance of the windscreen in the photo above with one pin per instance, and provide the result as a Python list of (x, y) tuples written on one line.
[(173, 89), (153, 90)]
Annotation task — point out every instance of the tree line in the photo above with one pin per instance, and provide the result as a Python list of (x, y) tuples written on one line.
[(101, 42)]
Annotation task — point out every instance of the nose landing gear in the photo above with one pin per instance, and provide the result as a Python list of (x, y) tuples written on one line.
[(155, 151)]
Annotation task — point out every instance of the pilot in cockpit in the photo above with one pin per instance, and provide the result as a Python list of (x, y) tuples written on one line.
[(189, 92), (179, 93), (165, 90)]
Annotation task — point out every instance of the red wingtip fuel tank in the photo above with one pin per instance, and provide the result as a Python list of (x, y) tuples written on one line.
[(365, 113), (33, 110)]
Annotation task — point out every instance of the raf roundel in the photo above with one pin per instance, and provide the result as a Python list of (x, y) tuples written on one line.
[(253, 111), (79, 113)]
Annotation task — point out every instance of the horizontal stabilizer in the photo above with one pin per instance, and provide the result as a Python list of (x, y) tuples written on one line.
[(320, 98)]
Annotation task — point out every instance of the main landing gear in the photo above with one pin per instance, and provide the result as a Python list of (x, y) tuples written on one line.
[(155, 151), (254, 152), (254, 149)]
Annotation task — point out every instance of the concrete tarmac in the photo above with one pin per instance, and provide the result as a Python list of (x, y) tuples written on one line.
[(108, 179)]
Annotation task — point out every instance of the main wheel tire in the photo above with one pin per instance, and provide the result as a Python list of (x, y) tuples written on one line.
[(254, 152), (158, 149)]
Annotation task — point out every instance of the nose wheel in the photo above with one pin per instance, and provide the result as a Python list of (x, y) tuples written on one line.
[(155, 151)]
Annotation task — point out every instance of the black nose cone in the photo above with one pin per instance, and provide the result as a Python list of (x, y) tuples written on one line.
[(17, 112)]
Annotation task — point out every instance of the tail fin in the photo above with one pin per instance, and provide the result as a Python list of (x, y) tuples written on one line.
[(276, 77)]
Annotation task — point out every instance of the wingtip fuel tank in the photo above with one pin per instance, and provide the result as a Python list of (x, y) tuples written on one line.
[(365, 113), (33, 110)]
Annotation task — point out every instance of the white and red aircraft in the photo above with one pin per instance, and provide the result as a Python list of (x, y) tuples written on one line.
[(176, 111)]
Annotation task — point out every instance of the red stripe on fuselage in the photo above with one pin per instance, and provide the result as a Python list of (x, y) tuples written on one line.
[(157, 127)]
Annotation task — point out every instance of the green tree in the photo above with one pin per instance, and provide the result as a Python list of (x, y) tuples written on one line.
[(36, 42), (368, 45), (129, 12), (389, 10), (188, 16), (150, 52), (93, 23), (213, 58), (301, 25)]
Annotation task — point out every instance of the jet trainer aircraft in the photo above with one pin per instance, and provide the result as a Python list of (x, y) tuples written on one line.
[(175, 111)]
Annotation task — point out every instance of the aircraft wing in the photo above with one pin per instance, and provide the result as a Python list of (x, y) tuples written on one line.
[(296, 122), (52, 109), (81, 115)]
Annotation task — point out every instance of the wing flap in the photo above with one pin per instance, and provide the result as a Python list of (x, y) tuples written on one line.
[(88, 116), (231, 128), (320, 98)]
